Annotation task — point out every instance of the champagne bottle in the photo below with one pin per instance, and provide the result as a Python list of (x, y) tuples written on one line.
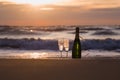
[(76, 50)]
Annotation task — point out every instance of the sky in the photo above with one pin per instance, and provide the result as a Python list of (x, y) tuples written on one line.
[(59, 12)]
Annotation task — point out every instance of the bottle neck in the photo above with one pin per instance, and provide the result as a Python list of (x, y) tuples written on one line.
[(77, 36), (77, 33)]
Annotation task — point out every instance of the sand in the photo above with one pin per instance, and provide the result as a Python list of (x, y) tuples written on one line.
[(59, 69)]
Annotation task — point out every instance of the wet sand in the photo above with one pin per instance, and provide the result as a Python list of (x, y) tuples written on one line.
[(59, 69)]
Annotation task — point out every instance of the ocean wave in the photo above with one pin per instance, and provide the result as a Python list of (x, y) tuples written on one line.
[(31, 29), (105, 32), (106, 44), (9, 30), (92, 28), (39, 44)]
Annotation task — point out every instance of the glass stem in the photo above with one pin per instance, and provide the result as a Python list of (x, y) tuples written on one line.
[(61, 54), (67, 54)]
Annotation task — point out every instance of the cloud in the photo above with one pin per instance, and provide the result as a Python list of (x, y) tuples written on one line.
[(61, 14)]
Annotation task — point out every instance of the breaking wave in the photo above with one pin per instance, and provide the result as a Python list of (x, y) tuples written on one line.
[(39, 44), (105, 32)]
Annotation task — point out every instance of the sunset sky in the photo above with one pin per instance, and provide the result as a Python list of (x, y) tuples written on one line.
[(59, 12)]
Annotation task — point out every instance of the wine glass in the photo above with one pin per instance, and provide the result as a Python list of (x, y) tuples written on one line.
[(66, 46), (61, 44)]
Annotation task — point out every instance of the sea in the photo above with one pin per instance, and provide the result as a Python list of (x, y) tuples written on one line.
[(41, 42)]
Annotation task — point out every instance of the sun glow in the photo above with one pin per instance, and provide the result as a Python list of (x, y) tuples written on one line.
[(47, 9), (37, 2)]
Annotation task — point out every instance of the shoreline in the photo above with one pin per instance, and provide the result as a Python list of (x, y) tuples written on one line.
[(59, 58)]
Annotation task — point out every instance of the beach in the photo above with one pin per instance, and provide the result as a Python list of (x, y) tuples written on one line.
[(39, 38), (60, 69)]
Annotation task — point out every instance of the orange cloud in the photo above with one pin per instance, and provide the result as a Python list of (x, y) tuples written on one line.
[(14, 14)]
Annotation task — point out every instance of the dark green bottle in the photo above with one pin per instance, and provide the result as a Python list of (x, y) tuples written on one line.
[(76, 50)]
